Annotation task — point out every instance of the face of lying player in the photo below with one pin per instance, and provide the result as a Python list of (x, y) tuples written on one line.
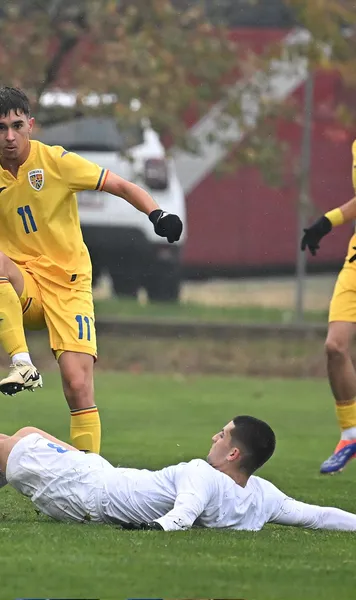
[(223, 451), (15, 132)]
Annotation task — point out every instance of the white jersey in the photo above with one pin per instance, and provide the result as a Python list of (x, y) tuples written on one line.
[(186, 494)]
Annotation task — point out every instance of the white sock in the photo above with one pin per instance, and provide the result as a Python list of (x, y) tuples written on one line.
[(349, 433), (22, 357)]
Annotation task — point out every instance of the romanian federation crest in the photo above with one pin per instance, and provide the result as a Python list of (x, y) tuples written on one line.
[(36, 179)]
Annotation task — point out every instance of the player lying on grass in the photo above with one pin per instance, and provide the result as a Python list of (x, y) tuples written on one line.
[(69, 485)]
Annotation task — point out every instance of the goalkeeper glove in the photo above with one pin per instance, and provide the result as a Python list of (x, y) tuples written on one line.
[(166, 225), (314, 233)]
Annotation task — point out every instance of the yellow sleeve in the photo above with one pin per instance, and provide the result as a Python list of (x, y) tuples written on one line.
[(354, 164), (79, 173)]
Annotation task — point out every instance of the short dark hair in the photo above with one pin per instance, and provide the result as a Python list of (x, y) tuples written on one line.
[(13, 99), (256, 441)]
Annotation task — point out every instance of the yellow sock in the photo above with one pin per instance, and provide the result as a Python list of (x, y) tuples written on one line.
[(346, 415), (85, 429), (12, 334)]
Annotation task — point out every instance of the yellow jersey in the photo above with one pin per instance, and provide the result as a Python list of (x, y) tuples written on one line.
[(39, 220)]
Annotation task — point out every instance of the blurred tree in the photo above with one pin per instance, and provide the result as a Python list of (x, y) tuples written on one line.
[(170, 61), (177, 63)]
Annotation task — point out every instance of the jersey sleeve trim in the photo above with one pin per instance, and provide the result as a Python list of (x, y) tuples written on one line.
[(102, 179)]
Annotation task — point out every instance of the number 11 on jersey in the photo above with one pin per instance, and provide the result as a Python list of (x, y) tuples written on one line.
[(28, 221)]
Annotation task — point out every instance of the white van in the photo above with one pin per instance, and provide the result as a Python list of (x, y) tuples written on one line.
[(120, 239)]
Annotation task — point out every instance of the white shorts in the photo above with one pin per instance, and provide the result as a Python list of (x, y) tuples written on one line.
[(63, 484)]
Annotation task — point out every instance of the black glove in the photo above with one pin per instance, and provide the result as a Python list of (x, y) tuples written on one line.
[(166, 225), (153, 526), (141, 526), (314, 233)]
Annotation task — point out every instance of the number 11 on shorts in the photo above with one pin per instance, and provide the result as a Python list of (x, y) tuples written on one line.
[(83, 327)]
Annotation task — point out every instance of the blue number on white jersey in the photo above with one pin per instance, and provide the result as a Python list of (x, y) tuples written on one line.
[(59, 449)]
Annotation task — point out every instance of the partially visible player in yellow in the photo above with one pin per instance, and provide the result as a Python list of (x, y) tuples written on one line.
[(341, 331), (45, 268)]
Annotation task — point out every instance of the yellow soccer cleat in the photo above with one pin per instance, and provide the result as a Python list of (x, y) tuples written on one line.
[(22, 376)]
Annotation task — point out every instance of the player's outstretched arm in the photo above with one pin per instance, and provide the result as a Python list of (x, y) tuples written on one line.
[(165, 224), (311, 516), (187, 508), (194, 487), (321, 227)]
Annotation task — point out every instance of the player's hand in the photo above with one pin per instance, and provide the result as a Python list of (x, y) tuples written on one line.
[(314, 233), (166, 225), (153, 526)]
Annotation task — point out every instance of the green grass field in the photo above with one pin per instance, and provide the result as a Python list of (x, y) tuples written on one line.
[(125, 309), (152, 421)]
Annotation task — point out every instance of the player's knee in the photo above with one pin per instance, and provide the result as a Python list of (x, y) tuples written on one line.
[(25, 431), (336, 348), (77, 385)]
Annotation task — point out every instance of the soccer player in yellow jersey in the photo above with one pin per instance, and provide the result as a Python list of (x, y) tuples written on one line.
[(45, 268), (341, 330)]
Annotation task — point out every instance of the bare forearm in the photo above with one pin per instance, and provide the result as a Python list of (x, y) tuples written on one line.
[(166, 225), (343, 214), (132, 193), (138, 197), (349, 210)]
